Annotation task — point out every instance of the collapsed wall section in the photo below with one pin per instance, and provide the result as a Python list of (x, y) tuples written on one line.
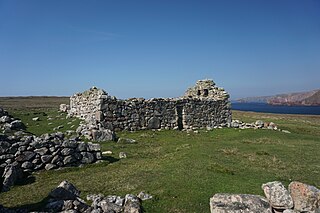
[(85, 105)]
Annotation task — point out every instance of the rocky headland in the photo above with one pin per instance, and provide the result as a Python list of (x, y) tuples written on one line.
[(310, 98)]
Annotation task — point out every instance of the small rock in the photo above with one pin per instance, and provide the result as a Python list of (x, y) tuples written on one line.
[(67, 205), (46, 158), (70, 132), (69, 144), (108, 206), (119, 201), (27, 165), (235, 124), (5, 119), (87, 157), (56, 159), (58, 135), (64, 107), (259, 123), (50, 166), (80, 206), (122, 155), (107, 153), (103, 135), (126, 140), (67, 151), (41, 151), (144, 196), (95, 199), (69, 159), (272, 126), (93, 147), (36, 119), (59, 127), (25, 156)]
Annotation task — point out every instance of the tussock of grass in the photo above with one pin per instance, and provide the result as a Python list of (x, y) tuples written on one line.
[(264, 140), (220, 169), (230, 151)]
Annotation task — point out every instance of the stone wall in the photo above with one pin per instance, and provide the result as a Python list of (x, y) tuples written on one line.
[(204, 105), (31, 153)]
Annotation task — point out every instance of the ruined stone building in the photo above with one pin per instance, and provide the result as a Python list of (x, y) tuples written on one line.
[(203, 106)]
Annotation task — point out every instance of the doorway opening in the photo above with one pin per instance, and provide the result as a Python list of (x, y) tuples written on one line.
[(179, 110)]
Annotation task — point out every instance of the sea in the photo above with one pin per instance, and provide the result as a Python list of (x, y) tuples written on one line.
[(263, 107)]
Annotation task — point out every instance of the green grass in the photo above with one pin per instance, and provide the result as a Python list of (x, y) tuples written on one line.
[(44, 107), (182, 171), (48, 120), (32, 102)]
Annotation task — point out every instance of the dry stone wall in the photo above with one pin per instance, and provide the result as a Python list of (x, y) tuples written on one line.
[(50, 151), (203, 106)]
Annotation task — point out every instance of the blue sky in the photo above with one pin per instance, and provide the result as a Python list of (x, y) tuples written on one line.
[(158, 48)]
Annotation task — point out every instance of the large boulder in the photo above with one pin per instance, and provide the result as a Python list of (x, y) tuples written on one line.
[(65, 198), (154, 123), (238, 203), (277, 195), (103, 135), (17, 125), (12, 173), (306, 198), (65, 191)]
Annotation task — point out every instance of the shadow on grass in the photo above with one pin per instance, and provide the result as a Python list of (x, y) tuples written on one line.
[(26, 180), (32, 206), (110, 159)]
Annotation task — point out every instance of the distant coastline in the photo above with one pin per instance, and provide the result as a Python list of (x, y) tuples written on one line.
[(280, 109), (309, 98)]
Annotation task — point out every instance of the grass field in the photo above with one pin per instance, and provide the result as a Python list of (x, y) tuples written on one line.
[(182, 171)]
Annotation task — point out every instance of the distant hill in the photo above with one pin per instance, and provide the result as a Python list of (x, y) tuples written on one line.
[(257, 99), (310, 98)]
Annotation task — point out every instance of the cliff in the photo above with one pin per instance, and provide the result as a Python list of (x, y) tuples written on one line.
[(310, 98)]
